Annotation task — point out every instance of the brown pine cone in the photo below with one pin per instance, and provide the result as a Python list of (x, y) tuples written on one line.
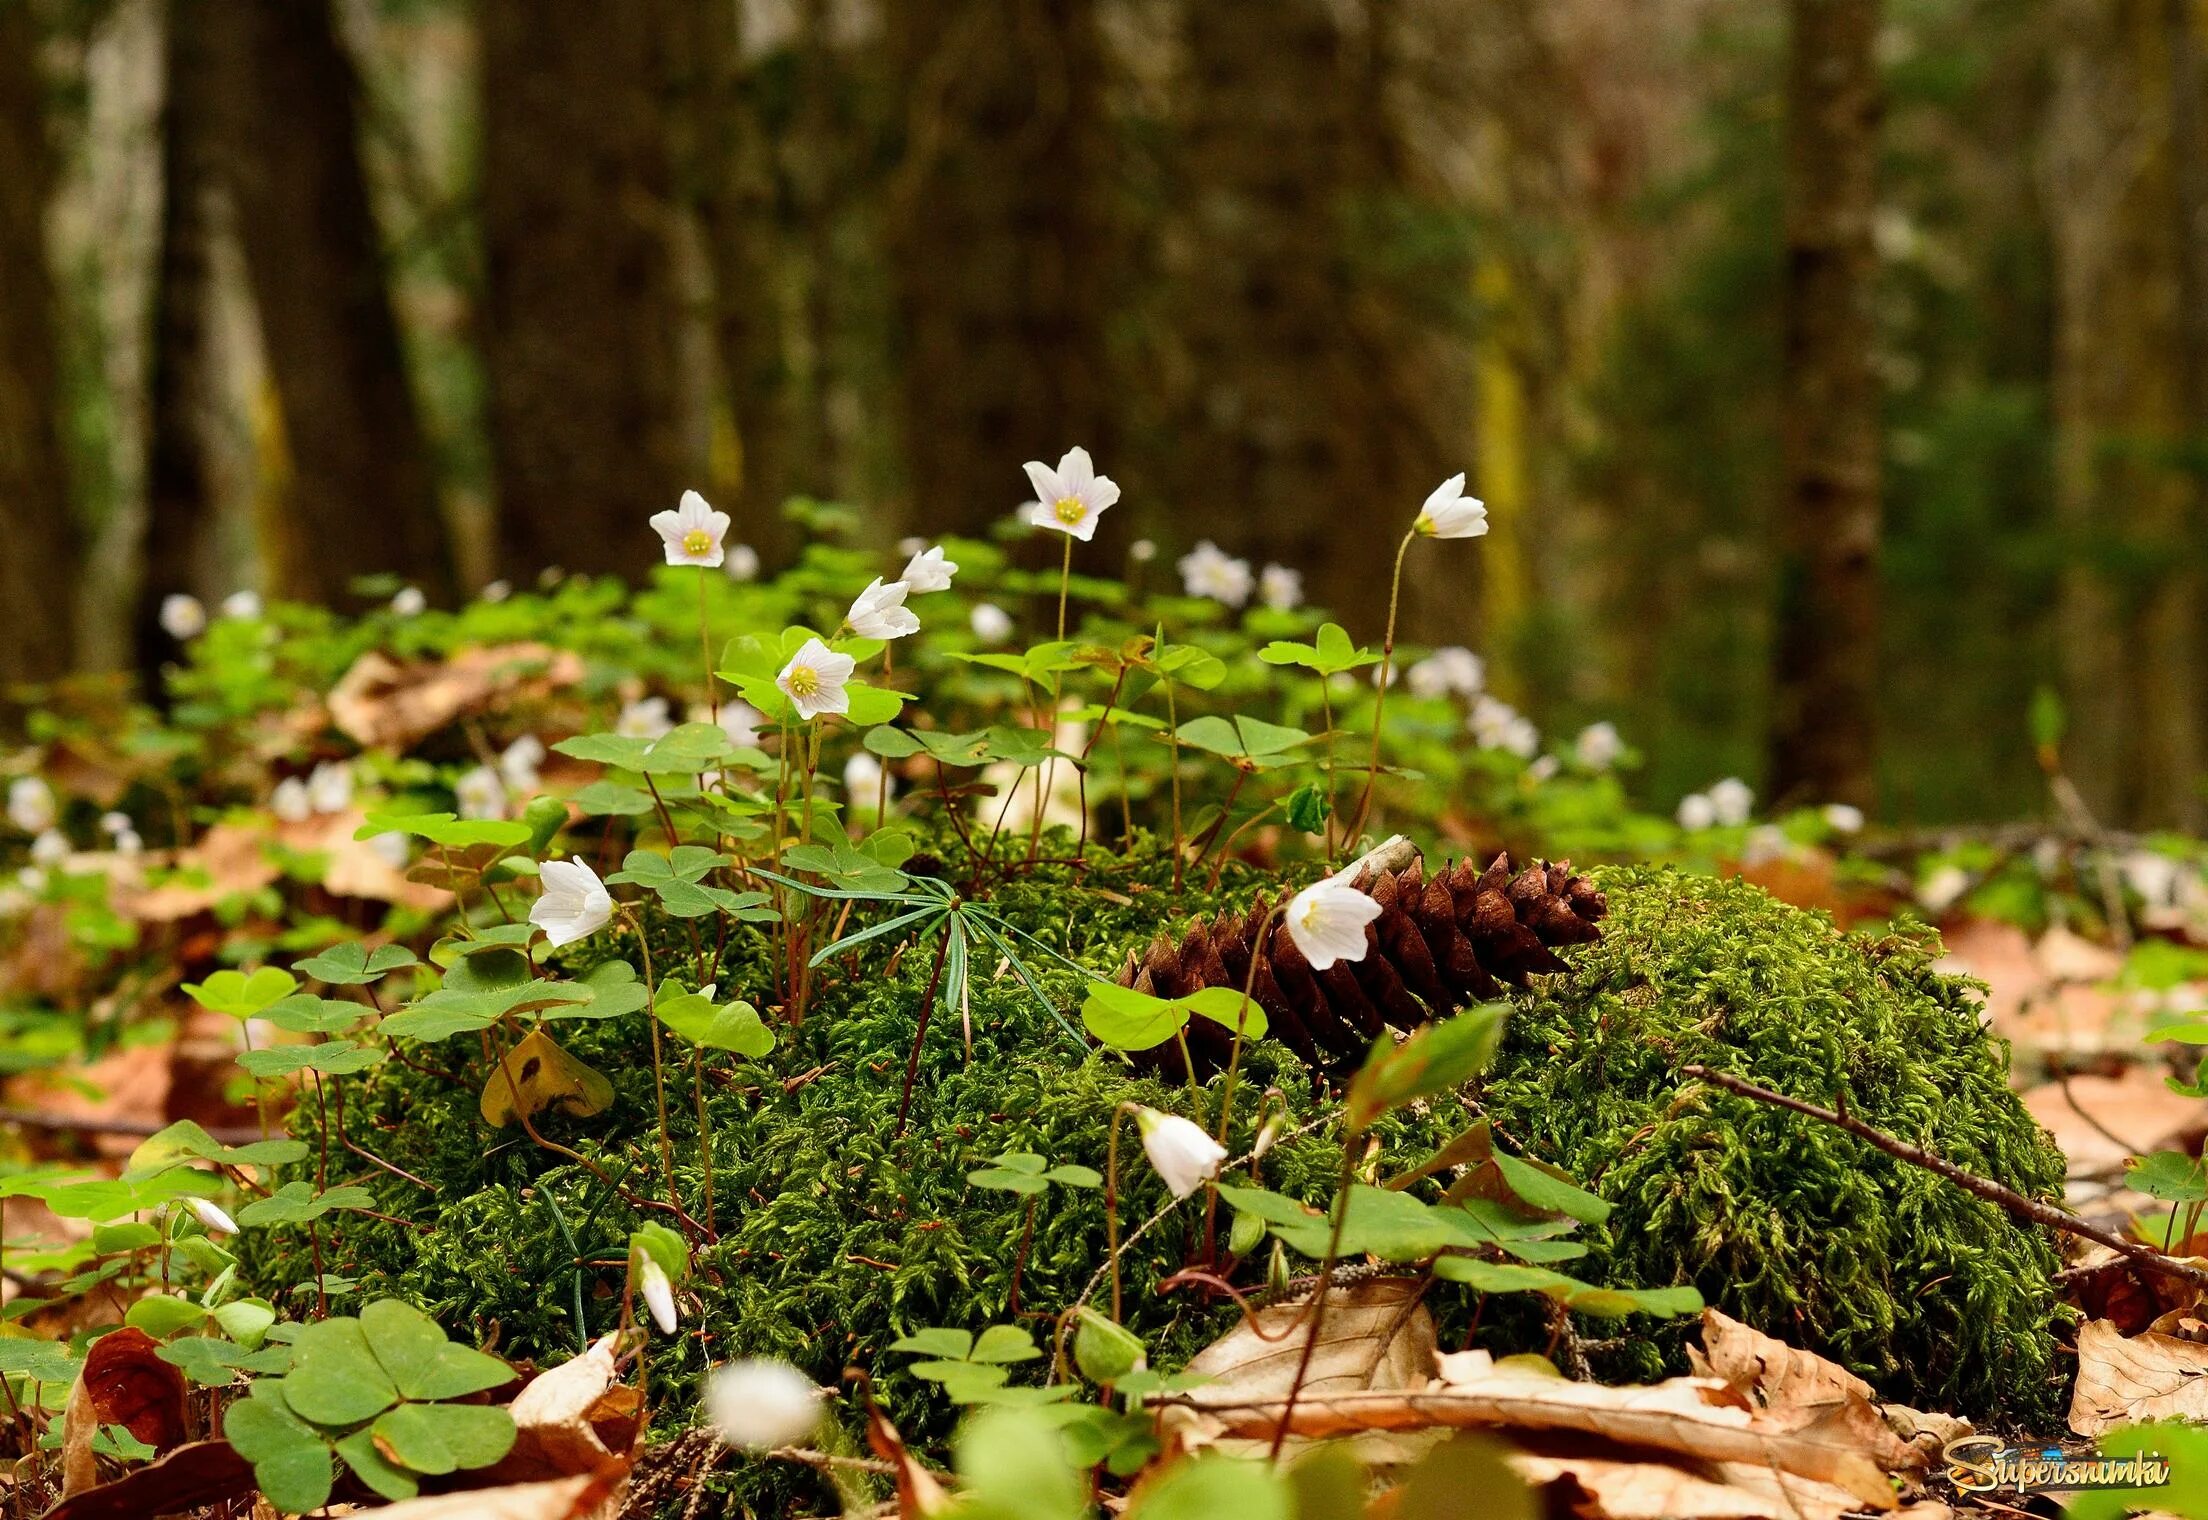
[(1440, 943)]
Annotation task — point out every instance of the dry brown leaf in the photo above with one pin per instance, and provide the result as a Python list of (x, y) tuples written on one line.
[(2100, 1121), (1768, 1372), (584, 1497), (383, 703), (571, 1420), (537, 1073), (231, 859), (202, 1473), (1700, 1418), (2108, 1285), (356, 868), (123, 1382), (2144, 1377), (1926, 1432), (1376, 1335), (919, 1494), (1624, 1486)]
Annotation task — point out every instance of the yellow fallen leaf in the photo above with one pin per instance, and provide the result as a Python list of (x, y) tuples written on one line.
[(536, 1074)]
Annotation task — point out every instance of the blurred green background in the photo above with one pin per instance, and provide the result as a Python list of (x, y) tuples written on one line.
[(1836, 372)]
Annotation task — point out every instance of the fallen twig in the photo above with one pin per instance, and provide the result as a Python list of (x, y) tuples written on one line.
[(1980, 1187)]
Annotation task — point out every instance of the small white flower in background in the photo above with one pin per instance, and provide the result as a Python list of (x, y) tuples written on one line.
[(1184, 1155), (814, 680), (1598, 746), (911, 544), (1208, 570), (739, 720), (1943, 889), (742, 563), (330, 787), (31, 879), (1449, 513), (1327, 921), (1280, 588), (1734, 801), (1451, 668), (518, 762), (291, 801), (31, 804), (1382, 677), (692, 533), (574, 902), (759, 1404), (1544, 768), (659, 1293), (112, 824), (1843, 818), (129, 845), (496, 592), (880, 611), (1765, 843), (480, 794), (242, 604), (1696, 812), (1072, 496), (928, 570), (211, 1216), (863, 779), (1142, 551), (991, 623), (1495, 724), (50, 848), (409, 602), (182, 617), (392, 849), (645, 718)]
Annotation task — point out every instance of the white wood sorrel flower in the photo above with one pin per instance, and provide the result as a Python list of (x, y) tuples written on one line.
[(880, 611), (574, 903), (928, 571), (759, 1404), (1073, 496), (659, 1293), (212, 1217), (1327, 919), (692, 533), (1449, 513), (183, 617), (814, 680), (1184, 1155)]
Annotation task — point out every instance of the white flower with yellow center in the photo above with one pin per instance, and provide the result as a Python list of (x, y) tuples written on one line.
[(1449, 513), (182, 617), (1070, 498), (814, 680), (1209, 571), (692, 533)]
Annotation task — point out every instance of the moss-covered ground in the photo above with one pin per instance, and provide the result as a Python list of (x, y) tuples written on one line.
[(836, 1234)]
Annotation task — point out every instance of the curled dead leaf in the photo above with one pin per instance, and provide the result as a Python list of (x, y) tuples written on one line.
[(2143, 1377), (123, 1382), (573, 1419)]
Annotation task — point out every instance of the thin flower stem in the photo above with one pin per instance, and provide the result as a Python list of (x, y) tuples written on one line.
[(1326, 713), (705, 652), (1111, 1203), (1173, 742), (659, 1066), (705, 1141), (1065, 579), (1326, 1274), (1380, 697)]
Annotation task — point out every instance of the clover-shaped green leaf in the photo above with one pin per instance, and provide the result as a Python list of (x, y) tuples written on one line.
[(352, 964), (239, 995)]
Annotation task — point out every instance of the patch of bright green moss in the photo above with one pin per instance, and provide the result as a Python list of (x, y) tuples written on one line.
[(1804, 1231)]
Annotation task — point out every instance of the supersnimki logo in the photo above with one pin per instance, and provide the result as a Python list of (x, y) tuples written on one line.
[(1983, 1464)]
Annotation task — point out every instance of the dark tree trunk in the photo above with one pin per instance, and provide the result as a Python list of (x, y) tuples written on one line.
[(1303, 426), (1827, 635), (1000, 248), (360, 494), (580, 317), (180, 504), (38, 545)]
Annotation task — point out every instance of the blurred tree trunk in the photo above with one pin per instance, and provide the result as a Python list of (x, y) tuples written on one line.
[(580, 318), (2127, 403), (1307, 432), (1000, 247), (180, 505), (359, 495), (38, 543), (734, 192), (1825, 692)]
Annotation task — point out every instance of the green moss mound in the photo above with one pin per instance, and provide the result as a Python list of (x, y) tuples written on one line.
[(837, 1234), (1791, 1225)]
